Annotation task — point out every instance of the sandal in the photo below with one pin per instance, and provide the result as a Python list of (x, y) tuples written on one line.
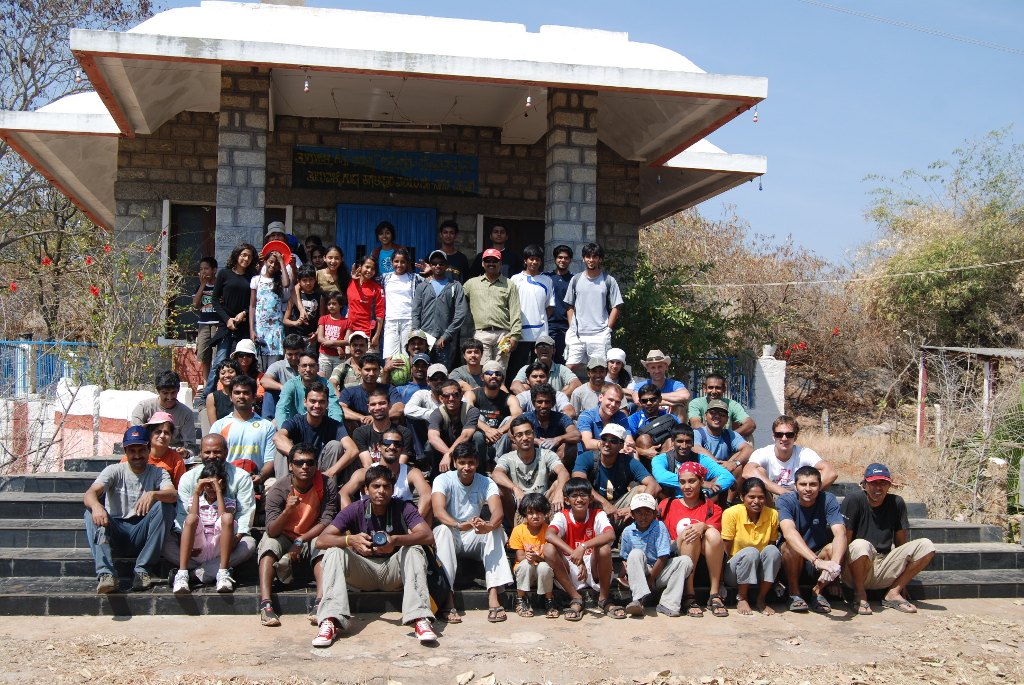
[(574, 611), (900, 604), (523, 607), (693, 609), (717, 607), (863, 608), (821, 605), (797, 603), (609, 609), (551, 609), (496, 615), (453, 616), (268, 616)]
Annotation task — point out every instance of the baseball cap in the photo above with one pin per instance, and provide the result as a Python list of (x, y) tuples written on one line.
[(641, 500), (877, 472), (493, 366), (617, 354), (491, 252), (544, 340), (135, 435), (418, 333), (438, 253), (614, 429), (359, 334), (421, 357), (597, 363), (435, 369), (716, 404), (159, 418)]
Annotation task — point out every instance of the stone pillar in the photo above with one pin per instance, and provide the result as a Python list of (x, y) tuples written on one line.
[(769, 401), (570, 212), (242, 158)]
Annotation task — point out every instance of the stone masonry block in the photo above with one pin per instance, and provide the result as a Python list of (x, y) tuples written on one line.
[(583, 175), (568, 118), (564, 155), (232, 102), (583, 138), (253, 159), (255, 120), (239, 141), (162, 146)]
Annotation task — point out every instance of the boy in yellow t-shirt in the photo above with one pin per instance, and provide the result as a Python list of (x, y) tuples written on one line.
[(528, 540)]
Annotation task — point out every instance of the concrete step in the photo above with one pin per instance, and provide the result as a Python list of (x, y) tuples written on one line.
[(43, 533), (41, 505), (941, 532), (61, 481), (967, 584), (974, 556), (90, 464)]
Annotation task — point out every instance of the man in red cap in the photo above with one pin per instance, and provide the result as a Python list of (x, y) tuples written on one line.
[(494, 304), (880, 556)]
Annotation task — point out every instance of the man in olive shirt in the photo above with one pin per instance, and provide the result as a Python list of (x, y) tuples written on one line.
[(494, 304)]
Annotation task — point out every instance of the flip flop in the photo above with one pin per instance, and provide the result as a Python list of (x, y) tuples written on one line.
[(821, 605), (453, 616), (496, 615), (900, 605), (574, 611), (797, 603), (863, 608)]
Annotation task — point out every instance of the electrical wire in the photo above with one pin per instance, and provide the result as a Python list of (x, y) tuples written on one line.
[(916, 27), (857, 279)]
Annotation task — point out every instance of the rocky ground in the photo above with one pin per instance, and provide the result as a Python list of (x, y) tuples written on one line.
[(960, 641)]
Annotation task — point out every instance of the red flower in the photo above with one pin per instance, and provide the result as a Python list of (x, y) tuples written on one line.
[(46, 261), (163, 232), (107, 248), (14, 287), (835, 331), (149, 248), (802, 346), (140, 275), (88, 260), (785, 353), (94, 291)]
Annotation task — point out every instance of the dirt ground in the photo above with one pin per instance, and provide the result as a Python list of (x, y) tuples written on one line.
[(958, 641)]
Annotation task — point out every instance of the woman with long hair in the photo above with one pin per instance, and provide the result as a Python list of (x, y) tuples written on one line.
[(268, 302), (231, 299), (399, 293), (749, 531)]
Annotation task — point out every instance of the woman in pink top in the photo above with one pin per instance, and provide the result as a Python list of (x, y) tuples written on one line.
[(366, 301)]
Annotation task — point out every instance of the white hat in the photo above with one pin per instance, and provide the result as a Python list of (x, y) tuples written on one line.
[(244, 346), (641, 500), (617, 354), (435, 369), (614, 429)]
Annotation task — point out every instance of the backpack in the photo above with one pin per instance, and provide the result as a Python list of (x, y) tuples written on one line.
[(659, 428), (439, 587), (607, 290)]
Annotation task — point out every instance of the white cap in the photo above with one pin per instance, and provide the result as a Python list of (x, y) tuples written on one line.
[(614, 429), (617, 354), (643, 499)]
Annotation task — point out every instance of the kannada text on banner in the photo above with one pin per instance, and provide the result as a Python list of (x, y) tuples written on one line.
[(385, 170)]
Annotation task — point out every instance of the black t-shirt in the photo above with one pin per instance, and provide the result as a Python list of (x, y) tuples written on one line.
[(455, 426), (299, 430), (311, 306), (365, 436), (877, 525), (492, 411), (559, 319), (458, 267), (511, 264), (230, 294)]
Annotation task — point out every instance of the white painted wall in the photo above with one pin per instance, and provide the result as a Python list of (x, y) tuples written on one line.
[(769, 397)]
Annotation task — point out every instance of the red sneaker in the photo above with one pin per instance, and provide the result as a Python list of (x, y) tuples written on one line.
[(327, 635), (424, 631)]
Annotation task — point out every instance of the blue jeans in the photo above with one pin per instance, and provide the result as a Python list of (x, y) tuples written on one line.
[(224, 347), (269, 408), (142, 535)]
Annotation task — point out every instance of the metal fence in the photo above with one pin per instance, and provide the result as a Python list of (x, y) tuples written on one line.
[(739, 377), (28, 367)]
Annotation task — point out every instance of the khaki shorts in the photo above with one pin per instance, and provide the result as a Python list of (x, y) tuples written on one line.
[(884, 570), (204, 342), (279, 547)]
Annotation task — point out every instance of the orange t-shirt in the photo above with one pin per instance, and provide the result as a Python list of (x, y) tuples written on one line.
[(523, 539), (306, 515), (172, 463)]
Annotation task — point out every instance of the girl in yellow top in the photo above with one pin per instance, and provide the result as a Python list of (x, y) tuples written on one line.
[(749, 531), (528, 539)]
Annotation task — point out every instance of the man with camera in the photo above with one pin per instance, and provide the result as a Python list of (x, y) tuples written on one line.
[(375, 544)]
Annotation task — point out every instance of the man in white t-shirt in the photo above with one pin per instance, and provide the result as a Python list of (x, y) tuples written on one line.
[(536, 303), (777, 464)]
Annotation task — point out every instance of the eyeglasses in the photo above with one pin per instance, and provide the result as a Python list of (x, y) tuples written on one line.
[(451, 395), (648, 400), (493, 373), (785, 434), (302, 463), (610, 438), (390, 443), (578, 495)]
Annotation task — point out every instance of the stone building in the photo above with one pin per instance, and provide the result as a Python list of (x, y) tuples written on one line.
[(208, 122)]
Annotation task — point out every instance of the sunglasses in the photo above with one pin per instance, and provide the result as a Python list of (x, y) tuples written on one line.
[(493, 373), (648, 400), (785, 434), (451, 395), (610, 438), (302, 463), (492, 261), (390, 443)]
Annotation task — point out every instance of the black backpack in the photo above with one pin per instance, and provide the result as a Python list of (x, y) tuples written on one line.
[(659, 428)]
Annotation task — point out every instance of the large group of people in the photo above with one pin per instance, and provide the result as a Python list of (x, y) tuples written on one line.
[(380, 458)]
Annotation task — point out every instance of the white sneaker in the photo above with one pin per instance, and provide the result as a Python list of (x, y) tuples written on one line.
[(181, 586), (424, 631), (225, 583), (327, 635)]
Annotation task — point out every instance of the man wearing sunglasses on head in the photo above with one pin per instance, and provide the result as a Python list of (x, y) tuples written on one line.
[(407, 478), (777, 464)]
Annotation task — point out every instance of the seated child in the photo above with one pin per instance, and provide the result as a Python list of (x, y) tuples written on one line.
[(647, 551), (576, 536), (202, 541), (528, 541)]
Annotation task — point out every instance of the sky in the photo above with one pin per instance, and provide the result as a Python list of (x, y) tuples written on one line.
[(847, 96)]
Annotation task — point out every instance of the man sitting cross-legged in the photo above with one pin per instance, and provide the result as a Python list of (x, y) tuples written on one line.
[(880, 555), (646, 550), (407, 478), (459, 497), (579, 550), (375, 544), (299, 507), (527, 470), (615, 475), (815, 538), (136, 506)]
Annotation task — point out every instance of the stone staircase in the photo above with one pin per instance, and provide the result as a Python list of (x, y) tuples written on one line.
[(46, 568)]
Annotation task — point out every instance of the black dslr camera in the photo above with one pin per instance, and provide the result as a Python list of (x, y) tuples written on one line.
[(379, 538)]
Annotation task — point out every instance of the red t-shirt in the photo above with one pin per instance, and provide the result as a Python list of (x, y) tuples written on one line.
[(365, 304), (334, 329), (672, 511)]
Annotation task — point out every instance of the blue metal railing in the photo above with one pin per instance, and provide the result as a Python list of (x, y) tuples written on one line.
[(29, 367), (739, 378)]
